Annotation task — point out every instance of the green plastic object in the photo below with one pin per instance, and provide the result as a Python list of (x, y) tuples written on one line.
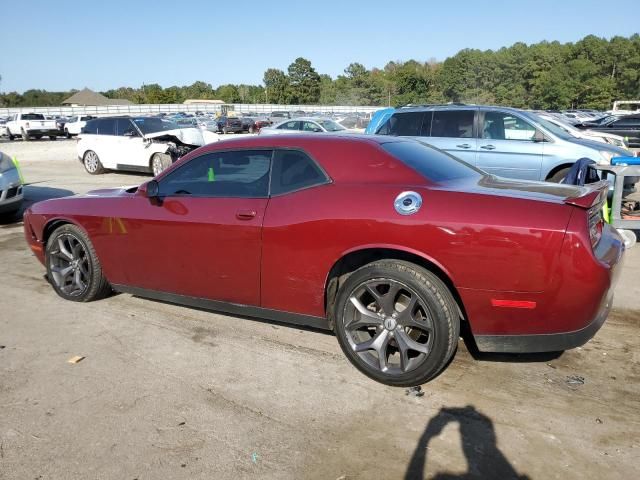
[(212, 176)]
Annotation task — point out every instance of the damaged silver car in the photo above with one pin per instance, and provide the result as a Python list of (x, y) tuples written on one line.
[(139, 144)]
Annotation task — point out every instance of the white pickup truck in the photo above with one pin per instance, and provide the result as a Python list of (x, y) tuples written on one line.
[(29, 125)]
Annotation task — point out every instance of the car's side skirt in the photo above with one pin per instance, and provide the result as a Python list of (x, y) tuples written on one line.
[(132, 168), (226, 307)]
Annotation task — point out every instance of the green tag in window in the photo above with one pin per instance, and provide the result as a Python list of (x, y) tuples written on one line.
[(212, 175)]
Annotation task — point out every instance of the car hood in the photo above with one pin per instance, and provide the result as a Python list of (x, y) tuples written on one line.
[(109, 192), (187, 136), (616, 151)]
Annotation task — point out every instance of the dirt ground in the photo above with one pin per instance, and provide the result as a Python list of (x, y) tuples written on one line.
[(170, 392)]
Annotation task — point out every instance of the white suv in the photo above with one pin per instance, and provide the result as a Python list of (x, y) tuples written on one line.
[(142, 144), (75, 124)]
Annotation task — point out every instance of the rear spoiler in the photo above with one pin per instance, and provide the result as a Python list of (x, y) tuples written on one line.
[(590, 195)]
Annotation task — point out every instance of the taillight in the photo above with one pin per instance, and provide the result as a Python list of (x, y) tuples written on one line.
[(596, 224)]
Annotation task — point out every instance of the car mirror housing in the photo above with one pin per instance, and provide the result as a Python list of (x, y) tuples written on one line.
[(152, 189)]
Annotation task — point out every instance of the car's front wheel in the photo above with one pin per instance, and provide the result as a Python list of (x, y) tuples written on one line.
[(92, 163), (159, 163), (396, 322), (73, 267)]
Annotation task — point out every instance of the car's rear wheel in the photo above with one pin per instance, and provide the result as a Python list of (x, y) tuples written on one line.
[(559, 175), (10, 135), (159, 163), (396, 322), (66, 133), (92, 163), (53, 137), (73, 267), (24, 135)]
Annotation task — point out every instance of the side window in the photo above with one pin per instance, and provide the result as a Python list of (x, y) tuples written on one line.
[(452, 124), (310, 127), (106, 126), (91, 127), (124, 126), (290, 126), (293, 170), (502, 126), (406, 124), (242, 173)]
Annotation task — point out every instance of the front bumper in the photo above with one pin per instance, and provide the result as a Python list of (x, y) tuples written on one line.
[(11, 191)]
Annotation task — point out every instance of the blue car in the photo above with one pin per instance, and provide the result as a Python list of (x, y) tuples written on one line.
[(507, 142)]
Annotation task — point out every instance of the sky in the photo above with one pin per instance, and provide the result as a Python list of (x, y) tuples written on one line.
[(60, 45)]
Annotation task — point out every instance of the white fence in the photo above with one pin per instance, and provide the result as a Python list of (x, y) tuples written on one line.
[(179, 107)]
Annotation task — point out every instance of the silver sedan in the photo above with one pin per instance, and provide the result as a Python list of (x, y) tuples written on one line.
[(10, 186), (304, 125)]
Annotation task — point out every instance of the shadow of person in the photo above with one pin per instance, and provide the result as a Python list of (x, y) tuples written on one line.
[(478, 445)]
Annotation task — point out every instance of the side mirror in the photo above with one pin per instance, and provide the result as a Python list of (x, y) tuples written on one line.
[(153, 189), (539, 137)]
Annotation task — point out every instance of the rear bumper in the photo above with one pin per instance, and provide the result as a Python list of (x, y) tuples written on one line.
[(553, 342)]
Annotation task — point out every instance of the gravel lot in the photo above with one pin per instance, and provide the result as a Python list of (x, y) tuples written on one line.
[(172, 392)]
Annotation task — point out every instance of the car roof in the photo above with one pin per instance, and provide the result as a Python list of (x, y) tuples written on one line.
[(456, 107)]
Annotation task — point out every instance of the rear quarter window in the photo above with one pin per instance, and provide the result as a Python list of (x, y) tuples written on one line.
[(431, 163)]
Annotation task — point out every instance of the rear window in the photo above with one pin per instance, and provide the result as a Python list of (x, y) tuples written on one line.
[(32, 116), (430, 162)]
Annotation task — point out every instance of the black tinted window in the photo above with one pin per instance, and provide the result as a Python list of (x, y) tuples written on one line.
[(452, 124), (106, 126), (124, 125), (627, 122), (91, 127), (243, 173), (431, 163), (293, 170), (407, 124)]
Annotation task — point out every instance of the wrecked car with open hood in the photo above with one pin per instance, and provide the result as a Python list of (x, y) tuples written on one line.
[(140, 144)]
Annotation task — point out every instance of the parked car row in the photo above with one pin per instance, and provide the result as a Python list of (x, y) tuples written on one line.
[(503, 141)]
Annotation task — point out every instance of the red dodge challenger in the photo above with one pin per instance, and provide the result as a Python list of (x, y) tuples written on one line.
[(387, 241)]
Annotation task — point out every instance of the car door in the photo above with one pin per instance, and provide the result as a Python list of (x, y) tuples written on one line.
[(507, 146), (130, 149), (453, 131), (202, 236), (104, 142)]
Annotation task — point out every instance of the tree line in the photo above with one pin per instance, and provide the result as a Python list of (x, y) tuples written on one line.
[(590, 73)]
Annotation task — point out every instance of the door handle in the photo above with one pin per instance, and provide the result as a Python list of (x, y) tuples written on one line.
[(464, 145), (488, 147), (246, 214)]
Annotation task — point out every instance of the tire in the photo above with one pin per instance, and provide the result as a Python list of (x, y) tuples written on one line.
[(24, 135), (559, 175), (53, 138), (66, 133), (73, 268), (416, 346), (38, 137), (10, 135), (92, 163), (159, 163)]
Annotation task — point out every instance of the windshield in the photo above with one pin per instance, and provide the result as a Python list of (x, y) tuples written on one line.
[(551, 127), (430, 162), (157, 124), (564, 126), (330, 125)]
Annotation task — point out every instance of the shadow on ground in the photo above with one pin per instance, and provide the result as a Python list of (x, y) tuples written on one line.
[(33, 194), (478, 439)]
